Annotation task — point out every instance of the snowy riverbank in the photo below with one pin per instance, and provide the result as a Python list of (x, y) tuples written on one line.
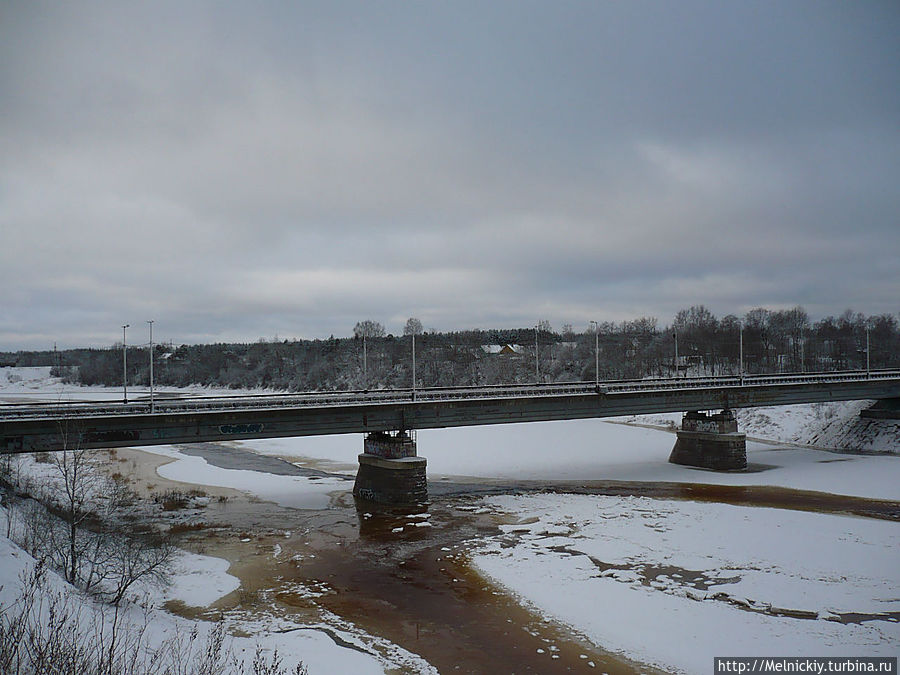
[(827, 426), (198, 580)]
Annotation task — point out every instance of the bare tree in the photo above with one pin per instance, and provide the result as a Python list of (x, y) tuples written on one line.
[(369, 329), (10, 468), (413, 326), (76, 474), (136, 559), (50, 631), (78, 525)]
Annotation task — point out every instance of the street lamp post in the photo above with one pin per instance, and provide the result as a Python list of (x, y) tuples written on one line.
[(741, 353), (868, 371), (414, 365), (365, 365), (537, 367), (675, 335), (150, 322), (596, 353), (124, 366)]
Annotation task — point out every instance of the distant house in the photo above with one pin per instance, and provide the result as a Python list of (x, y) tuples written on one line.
[(503, 350)]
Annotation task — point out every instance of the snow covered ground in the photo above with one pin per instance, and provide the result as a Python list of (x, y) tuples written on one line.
[(829, 426), (34, 383), (201, 580)]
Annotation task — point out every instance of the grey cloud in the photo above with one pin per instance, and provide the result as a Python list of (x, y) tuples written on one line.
[(235, 171)]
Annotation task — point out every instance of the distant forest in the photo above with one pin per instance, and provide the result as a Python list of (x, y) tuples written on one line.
[(774, 341)]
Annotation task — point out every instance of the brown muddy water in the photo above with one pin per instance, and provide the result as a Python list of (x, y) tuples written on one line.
[(403, 574)]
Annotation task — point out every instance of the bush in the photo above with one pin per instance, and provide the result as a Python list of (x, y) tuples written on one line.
[(49, 632), (172, 500)]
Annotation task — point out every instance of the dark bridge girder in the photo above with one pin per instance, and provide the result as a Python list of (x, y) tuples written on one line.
[(118, 430)]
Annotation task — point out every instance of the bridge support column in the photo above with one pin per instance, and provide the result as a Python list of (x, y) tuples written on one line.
[(710, 442), (390, 472)]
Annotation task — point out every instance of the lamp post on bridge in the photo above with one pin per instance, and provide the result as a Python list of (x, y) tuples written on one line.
[(537, 367), (365, 365), (741, 353), (868, 371), (413, 326), (868, 359), (150, 322), (124, 366), (675, 336), (596, 353)]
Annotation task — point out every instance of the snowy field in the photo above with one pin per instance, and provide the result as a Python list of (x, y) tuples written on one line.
[(34, 383)]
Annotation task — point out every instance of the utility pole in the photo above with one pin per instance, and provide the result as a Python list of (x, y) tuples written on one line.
[(151, 364), (124, 366), (675, 335), (868, 371), (596, 354)]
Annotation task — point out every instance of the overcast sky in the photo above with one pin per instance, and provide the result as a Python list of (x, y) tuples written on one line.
[(239, 170)]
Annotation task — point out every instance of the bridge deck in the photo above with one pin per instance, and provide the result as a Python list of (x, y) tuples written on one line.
[(52, 426)]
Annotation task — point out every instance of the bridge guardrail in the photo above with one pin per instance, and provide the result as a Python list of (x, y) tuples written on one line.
[(66, 409)]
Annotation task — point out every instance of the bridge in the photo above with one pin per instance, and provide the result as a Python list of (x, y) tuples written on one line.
[(390, 469)]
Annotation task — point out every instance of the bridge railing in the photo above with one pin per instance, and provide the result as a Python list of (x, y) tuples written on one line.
[(163, 405)]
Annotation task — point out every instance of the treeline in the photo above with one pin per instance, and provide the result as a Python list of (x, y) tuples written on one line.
[(765, 341)]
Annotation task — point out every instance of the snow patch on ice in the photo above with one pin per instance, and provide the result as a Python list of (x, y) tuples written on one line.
[(299, 492), (718, 577), (200, 580)]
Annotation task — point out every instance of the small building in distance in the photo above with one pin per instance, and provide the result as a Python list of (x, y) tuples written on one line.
[(503, 350)]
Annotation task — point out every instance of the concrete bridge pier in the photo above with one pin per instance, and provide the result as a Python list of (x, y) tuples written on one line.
[(710, 442), (390, 472)]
